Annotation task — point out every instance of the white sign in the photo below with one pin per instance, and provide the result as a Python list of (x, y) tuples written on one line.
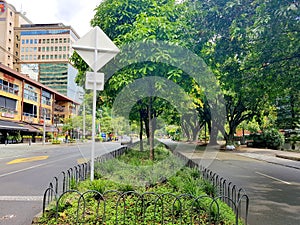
[(92, 77), (96, 41)]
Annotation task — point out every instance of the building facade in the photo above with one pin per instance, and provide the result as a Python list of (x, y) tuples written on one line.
[(27, 106), (44, 50), (41, 51), (9, 19)]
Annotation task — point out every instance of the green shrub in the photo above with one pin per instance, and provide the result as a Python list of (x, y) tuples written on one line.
[(273, 138), (56, 141)]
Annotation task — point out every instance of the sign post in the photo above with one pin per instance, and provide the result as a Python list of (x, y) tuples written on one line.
[(96, 49)]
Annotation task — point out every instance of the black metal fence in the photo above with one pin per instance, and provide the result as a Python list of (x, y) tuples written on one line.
[(114, 207), (177, 212), (65, 181), (228, 192)]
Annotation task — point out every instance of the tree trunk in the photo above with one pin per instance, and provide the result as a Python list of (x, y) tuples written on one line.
[(146, 121), (141, 131), (213, 129), (151, 130)]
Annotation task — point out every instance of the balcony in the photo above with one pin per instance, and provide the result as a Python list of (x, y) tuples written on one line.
[(8, 113)]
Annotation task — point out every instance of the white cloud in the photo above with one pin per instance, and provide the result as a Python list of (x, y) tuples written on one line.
[(75, 13)]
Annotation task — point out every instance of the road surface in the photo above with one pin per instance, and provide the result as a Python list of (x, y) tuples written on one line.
[(26, 171)]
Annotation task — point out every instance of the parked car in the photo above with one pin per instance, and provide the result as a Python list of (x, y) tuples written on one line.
[(126, 140)]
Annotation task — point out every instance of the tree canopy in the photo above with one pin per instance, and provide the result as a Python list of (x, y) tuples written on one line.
[(250, 46)]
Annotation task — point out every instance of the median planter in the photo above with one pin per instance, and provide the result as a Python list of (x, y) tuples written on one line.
[(56, 142), (26, 139), (38, 138)]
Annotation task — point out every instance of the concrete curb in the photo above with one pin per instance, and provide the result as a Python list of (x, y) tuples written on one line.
[(294, 158)]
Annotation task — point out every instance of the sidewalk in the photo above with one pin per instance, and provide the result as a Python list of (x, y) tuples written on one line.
[(284, 158)]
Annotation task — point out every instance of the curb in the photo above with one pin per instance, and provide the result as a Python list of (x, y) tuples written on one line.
[(35, 219), (294, 158)]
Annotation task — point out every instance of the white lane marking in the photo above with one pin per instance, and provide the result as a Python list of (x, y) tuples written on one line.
[(7, 217), (21, 198), (32, 167), (273, 178), (8, 157)]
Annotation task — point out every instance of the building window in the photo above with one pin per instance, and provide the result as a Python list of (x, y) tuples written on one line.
[(9, 87), (30, 94), (46, 98), (8, 104), (29, 110)]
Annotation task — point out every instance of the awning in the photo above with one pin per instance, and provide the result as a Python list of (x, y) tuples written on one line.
[(30, 128), (47, 128), (9, 125)]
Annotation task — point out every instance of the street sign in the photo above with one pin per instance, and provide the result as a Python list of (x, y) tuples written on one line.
[(96, 49), (92, 77), (96, 40)]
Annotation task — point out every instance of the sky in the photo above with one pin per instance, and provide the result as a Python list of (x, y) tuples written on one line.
[(74, 13)]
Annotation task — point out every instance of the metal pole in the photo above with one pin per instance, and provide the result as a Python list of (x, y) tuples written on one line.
[(44, 127), (83, 120), (94, 112)]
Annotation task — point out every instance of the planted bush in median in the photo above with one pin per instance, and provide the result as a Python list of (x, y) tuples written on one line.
[(178, 197)]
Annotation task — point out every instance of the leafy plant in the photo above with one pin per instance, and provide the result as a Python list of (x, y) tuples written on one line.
[(273, 138)]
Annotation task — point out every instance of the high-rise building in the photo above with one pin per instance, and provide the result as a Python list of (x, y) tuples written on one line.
[(44, 50), (9, 19), (40, 51)]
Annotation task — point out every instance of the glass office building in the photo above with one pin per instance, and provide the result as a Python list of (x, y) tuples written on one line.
[(44, 52)]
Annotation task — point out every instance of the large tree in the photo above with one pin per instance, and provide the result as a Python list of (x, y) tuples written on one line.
[(242, 41), (134, 23)]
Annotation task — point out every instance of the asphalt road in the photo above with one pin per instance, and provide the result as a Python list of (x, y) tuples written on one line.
[(274, 190), (26, 171)]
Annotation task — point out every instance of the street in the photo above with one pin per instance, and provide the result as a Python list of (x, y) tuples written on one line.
[(26, 171), (273, 189)]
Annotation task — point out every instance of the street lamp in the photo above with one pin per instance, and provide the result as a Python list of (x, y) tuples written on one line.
[(96, 49)]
